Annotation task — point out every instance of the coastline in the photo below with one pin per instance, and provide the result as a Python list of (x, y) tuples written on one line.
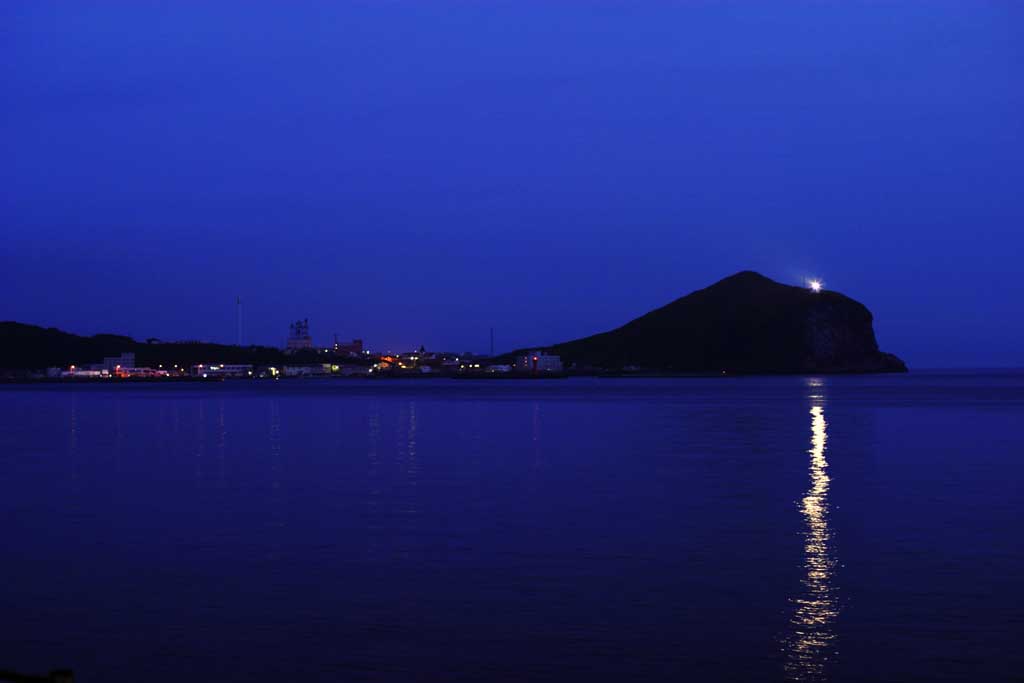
[(383, 377)]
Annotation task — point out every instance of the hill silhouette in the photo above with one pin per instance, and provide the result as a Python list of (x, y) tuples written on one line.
[(746, 323), (30, 347)]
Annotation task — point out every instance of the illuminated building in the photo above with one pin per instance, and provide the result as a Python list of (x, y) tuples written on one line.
[(74, 371), (298, 336), (318, 370), (123, 362), (221, 370), (538, 362), (123, 372), (353, 348)]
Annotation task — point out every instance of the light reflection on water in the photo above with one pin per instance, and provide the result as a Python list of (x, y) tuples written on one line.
[(811, 641)]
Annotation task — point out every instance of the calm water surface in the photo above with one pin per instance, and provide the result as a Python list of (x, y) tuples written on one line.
[(842, 528)]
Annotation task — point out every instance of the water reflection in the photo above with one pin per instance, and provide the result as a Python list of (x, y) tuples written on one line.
[(408, 497), (537, 455), (73, 455), (810, 645), (276, 498), (200, 443), (222, 443), (373, 483)]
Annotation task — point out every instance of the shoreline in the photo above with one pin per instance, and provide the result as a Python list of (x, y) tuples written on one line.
[(503, 377)]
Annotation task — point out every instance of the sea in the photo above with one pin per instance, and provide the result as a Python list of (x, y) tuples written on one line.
[(835, 528)]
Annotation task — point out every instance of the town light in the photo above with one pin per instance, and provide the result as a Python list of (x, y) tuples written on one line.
[(814, 285)]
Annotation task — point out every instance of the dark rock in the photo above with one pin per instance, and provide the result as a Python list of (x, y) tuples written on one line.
[(745, 323)]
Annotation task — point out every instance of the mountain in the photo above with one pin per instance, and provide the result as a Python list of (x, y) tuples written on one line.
[(746, 323)]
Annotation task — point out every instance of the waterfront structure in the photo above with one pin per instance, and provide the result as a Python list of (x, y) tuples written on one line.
[(78, 372), (307, 370), (114, 363), (125, 372), (498, 369), (353, 348), (538, 362), (298, 336), (208, 370), (350, 370)]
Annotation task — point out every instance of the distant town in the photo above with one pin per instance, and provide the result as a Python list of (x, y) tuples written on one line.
[(302, 358)]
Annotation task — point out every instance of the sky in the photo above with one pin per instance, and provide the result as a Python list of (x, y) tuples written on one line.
[(420, 172)]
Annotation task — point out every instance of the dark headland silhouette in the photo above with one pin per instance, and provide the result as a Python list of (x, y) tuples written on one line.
[(746, 323)]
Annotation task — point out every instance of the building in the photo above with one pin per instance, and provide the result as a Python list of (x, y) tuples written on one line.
[(537, 362), (320, 370), (209, 370), (498, 369), (351, 370), (77, 372), (114, 363), (141, 372), (298, 336), (353, 348)]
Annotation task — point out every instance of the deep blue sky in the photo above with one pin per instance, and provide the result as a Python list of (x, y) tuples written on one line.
[(414, 173)]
